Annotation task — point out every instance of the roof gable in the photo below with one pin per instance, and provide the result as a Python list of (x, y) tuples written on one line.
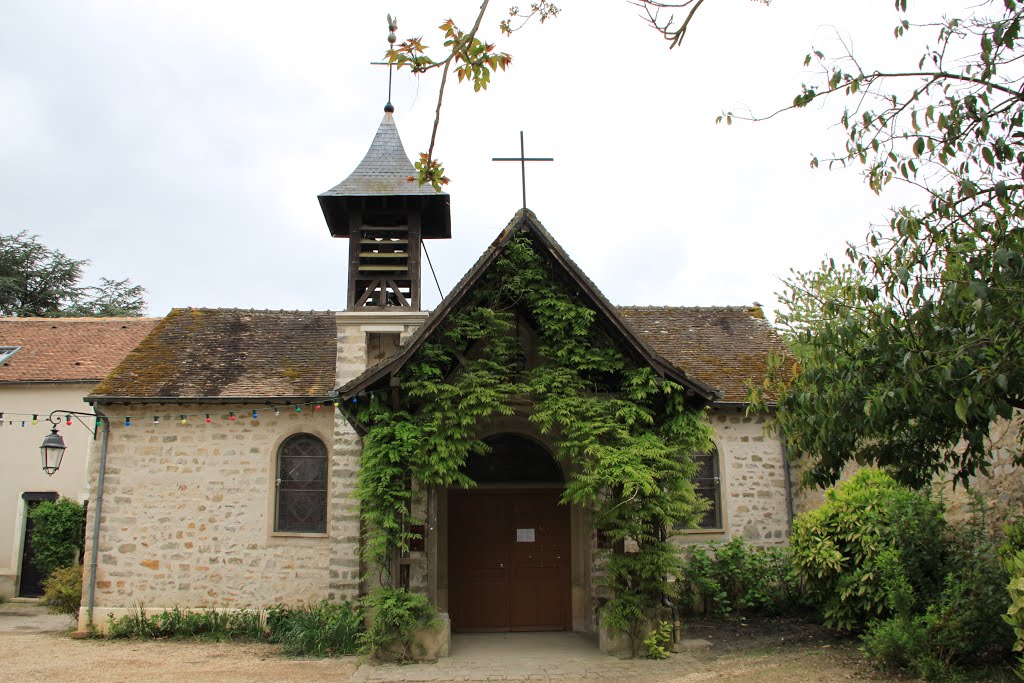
[(526, 222), (67, 349), (198, 354)]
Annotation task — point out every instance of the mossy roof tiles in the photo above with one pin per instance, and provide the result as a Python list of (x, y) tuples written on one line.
[(68, 349), (202, 353), (724, 346)]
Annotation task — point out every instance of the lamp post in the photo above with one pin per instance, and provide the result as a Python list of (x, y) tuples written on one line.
[(52, 452)]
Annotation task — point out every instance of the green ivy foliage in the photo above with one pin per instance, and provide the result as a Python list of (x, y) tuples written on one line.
[(626, 433), (395, 615)]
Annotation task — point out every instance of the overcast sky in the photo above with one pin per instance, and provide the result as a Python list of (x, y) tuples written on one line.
[(183, 143)]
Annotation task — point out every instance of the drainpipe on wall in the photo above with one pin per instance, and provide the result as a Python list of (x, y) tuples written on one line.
[(94, 554), (789, 485)]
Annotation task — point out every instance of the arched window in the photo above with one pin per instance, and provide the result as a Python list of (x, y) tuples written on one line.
[(302, 485), (708, 484)]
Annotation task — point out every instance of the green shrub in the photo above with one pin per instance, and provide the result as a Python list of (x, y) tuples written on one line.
[(1013, 538), (185, 623), (57, 528), (62, 591), (735, 577), (958, 627), (395, 615), (658, 639), (322, 630), (1015, 614), (869, 536)]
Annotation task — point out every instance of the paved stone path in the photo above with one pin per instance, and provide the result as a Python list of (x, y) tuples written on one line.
[(30, 617), (529, 657)]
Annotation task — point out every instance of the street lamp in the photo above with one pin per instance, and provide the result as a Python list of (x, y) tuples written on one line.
[(52, 451), (53, 447)]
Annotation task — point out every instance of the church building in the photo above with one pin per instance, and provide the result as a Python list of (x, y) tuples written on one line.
[(228, 478)]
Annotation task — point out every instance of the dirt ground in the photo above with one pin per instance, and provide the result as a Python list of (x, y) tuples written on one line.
[(773, 651)]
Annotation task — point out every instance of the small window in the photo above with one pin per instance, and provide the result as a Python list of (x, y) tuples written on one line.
[(302, 485), (8, 351), (708, 484)]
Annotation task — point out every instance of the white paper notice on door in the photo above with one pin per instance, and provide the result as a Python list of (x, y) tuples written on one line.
[(526, 535)]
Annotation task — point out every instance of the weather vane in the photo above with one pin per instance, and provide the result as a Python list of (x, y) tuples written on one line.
[(522, 159), (392, 27)]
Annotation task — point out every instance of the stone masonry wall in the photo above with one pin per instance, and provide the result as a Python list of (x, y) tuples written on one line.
[(188, 511), (1000, 493), (753, 483)]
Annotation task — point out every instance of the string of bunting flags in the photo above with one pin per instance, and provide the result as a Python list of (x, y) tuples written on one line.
[(11, 418)]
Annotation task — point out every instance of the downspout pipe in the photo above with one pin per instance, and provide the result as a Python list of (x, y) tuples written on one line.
[(94, 553), (789, 484)]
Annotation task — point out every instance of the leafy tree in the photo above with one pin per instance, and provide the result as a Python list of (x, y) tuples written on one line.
[(910, 351), (36, 280), (111, 298), (474, 62)]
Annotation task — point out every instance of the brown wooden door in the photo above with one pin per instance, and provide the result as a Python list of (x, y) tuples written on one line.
[(508, 560)]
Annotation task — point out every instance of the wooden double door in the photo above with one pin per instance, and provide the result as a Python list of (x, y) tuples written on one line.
[(508, 560)]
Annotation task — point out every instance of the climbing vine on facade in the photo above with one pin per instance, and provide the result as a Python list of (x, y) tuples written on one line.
[(622, 433)]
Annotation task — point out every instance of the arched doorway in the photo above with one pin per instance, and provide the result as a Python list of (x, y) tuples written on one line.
[(509, 542)]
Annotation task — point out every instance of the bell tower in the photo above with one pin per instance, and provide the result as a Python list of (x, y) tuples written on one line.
[(384, 216)]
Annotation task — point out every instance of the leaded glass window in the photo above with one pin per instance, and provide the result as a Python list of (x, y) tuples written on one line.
[(302, 485)]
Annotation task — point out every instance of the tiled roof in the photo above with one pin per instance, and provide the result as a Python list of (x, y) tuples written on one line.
[(384, 170), (724, 346), (68, 349), (229, 353)]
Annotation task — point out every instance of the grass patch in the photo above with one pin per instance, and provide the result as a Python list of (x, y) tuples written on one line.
[(323, 630)]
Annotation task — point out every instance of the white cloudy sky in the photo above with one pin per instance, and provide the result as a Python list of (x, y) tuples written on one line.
[(183, 143)]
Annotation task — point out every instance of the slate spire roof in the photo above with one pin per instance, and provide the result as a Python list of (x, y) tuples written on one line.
[(384, 172), (384, 169)]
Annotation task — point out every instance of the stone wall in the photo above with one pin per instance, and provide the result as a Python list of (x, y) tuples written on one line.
[(753, 481), (1000, 493), (188, 511)]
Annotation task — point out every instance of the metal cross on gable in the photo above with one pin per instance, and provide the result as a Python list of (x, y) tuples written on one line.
[(522, 159)]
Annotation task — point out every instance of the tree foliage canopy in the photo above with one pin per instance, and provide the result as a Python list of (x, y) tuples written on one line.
[(36, 280), (911, 350)]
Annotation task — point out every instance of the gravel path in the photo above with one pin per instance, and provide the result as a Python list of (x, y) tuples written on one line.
[(55, 658)]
